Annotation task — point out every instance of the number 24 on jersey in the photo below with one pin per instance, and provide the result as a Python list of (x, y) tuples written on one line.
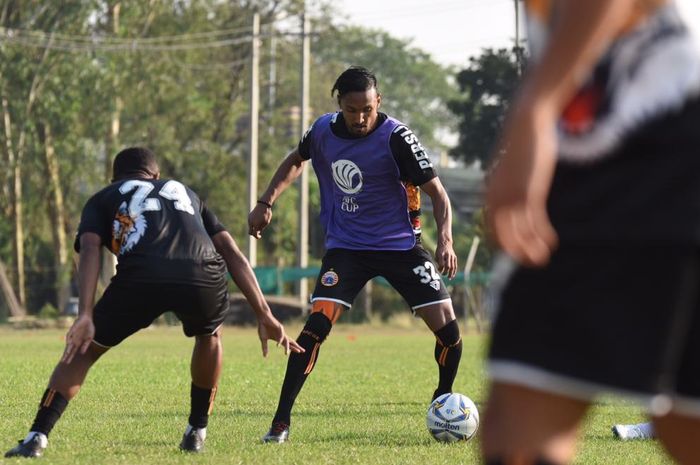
[(171, 190)]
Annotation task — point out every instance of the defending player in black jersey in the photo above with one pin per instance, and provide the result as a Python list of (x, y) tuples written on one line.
[(172, 256)]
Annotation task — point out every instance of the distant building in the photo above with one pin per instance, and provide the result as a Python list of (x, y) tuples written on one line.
[(465, 187)]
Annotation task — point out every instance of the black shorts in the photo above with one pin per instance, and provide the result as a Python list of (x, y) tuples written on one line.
[(615, 319), (411, 272), (128, 307)]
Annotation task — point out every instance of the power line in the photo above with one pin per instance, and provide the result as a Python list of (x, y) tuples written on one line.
[(183, 42), (131, 45), (226, 66), (119, 40)]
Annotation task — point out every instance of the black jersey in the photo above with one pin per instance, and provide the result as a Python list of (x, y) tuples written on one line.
[(628, 142), (415, 167), (159, 230)]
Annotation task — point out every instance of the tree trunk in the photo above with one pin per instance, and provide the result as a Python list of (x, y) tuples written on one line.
[(8, 160), (13, 304), (57, 216), (15, 166), (16, 159)]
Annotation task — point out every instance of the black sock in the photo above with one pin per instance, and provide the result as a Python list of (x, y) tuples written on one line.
[(300, 365), (448, 352), (202, 402), (538, 461), (50, 410)]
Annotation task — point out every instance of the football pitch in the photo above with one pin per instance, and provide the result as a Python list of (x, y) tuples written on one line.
[(365, 402)]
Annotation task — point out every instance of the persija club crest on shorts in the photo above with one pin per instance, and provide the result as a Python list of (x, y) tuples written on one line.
[(329, 278)]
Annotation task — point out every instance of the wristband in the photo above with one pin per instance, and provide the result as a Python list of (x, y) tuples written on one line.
[(268, 205)]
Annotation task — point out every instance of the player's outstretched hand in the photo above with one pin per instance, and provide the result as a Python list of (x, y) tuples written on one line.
[(446, 259), (269, 328), (258, 219), (79, 338)]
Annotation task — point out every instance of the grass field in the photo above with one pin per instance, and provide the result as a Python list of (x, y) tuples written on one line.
[(365, 403)]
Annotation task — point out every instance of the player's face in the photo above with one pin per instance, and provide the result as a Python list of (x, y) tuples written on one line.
[(360, 111)]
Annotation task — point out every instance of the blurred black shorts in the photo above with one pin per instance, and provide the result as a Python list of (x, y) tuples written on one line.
[(615, 319), (126, 308), (412, 273)]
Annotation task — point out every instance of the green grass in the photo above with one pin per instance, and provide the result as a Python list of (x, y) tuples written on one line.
[(364, 404)]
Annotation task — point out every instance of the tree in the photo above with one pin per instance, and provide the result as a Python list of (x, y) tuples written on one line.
[(24, 75), (487, 85), (81, 79), (414, 86), (69, 104)]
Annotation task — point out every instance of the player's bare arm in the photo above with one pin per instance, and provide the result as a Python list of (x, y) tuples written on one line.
[(244, 277), (526, 154), (442, 211), (80, 335), (286, 173)]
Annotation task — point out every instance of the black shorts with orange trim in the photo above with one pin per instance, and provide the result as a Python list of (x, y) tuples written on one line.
[(127, 307), (412, 273)]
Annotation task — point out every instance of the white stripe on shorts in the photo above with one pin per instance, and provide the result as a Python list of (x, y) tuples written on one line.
[(449, 299), (512, 372), (101, 345), (686, 406), (314, 299)]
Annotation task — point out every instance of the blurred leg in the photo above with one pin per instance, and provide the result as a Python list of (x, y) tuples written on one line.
[(524, 426), (680, 436)]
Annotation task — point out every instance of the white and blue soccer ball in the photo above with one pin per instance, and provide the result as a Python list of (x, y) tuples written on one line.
[(452, 417)]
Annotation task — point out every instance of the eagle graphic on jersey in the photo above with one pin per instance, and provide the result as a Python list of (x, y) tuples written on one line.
[(126, 231)]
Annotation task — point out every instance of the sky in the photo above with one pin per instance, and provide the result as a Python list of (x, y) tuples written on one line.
[(453, 30)]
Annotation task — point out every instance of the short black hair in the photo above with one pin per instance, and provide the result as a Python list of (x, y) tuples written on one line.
[(354, 79), (134, 161)]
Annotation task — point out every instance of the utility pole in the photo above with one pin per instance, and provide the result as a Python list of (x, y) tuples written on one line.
[(303, 238), (272, 90), (517, 22), (109, 260), (518, 51), (253, 142)]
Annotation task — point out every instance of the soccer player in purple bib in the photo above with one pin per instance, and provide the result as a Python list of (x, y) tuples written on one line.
[(370, 168), (173, 254)]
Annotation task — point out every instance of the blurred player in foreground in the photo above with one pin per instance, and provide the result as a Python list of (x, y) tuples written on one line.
[(595, 196)]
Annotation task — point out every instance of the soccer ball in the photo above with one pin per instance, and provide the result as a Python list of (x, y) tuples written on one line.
[(452, 417)]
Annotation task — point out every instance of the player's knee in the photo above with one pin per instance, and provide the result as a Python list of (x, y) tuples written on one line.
[(95, 351), (210, 340), (331, 310), (317, 327), (449, 335)]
